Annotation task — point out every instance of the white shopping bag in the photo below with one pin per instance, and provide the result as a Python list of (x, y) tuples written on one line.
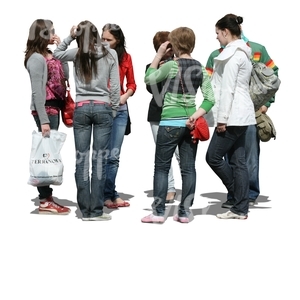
[(45, 164)]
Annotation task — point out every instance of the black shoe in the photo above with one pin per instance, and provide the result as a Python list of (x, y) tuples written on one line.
[(170, 201), (227, 204), (251, 202)]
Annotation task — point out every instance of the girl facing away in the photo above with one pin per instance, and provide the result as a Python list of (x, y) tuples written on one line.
[(184, 75), (97, 102)]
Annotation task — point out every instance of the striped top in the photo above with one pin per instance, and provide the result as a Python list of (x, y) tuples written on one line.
[(181, 78)]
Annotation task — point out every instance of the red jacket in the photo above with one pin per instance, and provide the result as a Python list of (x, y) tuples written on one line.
[(126, 70)]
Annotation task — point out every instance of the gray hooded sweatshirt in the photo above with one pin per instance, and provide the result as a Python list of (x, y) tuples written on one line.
[(106, 86)]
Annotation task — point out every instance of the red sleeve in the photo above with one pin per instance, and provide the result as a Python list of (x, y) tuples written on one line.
[(127, 70)]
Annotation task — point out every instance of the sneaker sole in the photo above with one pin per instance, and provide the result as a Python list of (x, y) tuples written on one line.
[(48, 212), (233, 218), (181, 220), (154, 222), (92, 220), (98, 219), (95, 220)]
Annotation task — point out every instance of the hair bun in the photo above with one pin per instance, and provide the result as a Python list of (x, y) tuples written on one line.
[(239, 20)]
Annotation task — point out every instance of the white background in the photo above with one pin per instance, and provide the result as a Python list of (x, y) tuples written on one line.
[(61, 257)]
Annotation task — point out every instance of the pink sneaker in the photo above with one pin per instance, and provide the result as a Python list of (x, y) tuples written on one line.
[(51, 207), (153, 219), (181, 219)]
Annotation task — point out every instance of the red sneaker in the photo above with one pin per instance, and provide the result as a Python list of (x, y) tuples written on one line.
[(51, 207)]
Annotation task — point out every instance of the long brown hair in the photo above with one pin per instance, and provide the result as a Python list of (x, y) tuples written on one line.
[(88, 38), (38, 38)]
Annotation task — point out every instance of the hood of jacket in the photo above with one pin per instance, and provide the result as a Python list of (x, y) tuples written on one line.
[(233, 46)]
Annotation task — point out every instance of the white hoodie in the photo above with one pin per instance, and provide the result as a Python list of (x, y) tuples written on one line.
[(230, 82)]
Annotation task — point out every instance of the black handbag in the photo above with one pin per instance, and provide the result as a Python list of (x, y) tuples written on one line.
[(128, 126)]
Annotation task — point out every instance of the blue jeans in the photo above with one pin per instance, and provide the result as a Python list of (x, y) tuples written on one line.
[(46, 191), (115, 144), (168, 138), (252, 151), (171, 181), (91, 120), (234, 175)]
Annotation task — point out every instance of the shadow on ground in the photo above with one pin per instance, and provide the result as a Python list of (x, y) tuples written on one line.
[(213, 208)]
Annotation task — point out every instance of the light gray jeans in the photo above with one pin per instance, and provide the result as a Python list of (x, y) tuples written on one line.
[(171, 182)]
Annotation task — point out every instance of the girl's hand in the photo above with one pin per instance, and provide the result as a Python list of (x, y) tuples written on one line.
[(45, 130), (221, 127), (73, 31), (123, 99), (264, 109), (190, 123), (56, 40), (163, 49)]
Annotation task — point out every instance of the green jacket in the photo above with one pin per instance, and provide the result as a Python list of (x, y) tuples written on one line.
[(259, 54)]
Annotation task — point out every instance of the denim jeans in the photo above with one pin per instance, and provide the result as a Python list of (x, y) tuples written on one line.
[(115, 144), (252, 151), (46, 191), (171, 181), (91, 120), (168, 138), (234, 175)]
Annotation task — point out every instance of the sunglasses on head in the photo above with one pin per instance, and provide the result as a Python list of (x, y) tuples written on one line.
[(112, 26)]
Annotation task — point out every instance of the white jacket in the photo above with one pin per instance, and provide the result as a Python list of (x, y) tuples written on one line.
[(230, 82)]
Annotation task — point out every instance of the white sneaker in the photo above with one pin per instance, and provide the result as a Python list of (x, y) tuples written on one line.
[(231, 215), (103, 217)]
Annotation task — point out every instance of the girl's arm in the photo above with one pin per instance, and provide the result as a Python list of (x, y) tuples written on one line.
[(61, 51), (130, 82), (208, 100), (114, 83)]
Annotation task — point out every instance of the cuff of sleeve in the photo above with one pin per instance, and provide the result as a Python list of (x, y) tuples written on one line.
[(222, 119), (69, 40)]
